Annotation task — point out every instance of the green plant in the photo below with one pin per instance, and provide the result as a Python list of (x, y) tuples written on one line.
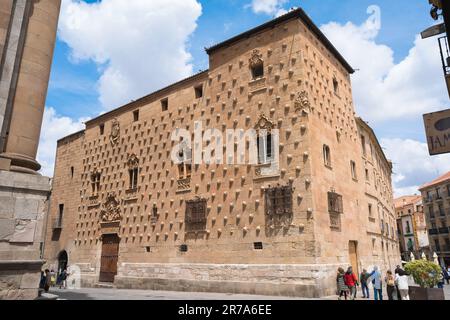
[(426, 274)]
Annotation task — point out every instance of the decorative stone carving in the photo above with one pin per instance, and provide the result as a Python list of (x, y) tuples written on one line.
[(115, 132), (133, 161), (302, 102), (264, 123), (111, 209), (256, 59), (184, 184)]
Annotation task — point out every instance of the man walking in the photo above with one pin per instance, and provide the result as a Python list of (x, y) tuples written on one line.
[(364, 277)]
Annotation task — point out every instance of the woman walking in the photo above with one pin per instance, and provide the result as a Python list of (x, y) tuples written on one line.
[(390, 284), (342, 288), (402, 282)]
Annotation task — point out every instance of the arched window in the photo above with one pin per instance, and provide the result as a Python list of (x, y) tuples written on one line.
[(327, 155), (133, 172), (256, 65), (265, 140), (95, 182), (335, 86), (185, 165)]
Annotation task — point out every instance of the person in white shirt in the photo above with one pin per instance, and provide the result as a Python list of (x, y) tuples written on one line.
[(401, 279)]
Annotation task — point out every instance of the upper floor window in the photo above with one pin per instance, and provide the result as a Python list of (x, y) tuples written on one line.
[(353, 170), (265, 140), (102, 129), (136, 115), (327, 156), (133, 171), (408, 227), (72, 171), (335, 203), (256, 65), (448, 190), (198, 92), (95, 182), (165, 104), (370, 210), (363, 145), (185, 165), (438, 193), (367, 175), (335, 86)]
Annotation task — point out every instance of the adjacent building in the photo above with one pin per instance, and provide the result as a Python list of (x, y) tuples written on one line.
[(318, 197), (436, 200), (412, 227), (27, 39)]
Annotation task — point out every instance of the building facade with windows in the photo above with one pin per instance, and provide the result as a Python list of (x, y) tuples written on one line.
[(141, 211), (436, 202), (412, 228)]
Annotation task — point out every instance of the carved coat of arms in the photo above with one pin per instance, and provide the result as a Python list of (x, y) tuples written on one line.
[(256, 59), (115, 132), (302, 102), (111, 209)]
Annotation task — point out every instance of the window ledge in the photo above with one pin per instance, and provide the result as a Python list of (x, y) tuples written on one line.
[(328, 167)]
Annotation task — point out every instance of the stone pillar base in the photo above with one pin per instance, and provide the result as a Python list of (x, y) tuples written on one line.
[(19, 280), (306, 281), (23, 212)]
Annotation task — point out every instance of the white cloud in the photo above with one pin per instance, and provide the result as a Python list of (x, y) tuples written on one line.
[(384, 89), (139, 45), (413, 165), (270, 7), (54, 127)]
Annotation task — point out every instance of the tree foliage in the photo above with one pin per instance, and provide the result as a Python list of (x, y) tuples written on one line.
[(427, 274)]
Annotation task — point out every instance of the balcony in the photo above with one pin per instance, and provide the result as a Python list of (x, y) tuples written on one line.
[(57, 224), (432, 232)]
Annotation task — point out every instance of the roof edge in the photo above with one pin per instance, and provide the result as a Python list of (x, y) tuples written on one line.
[(145, 98), (297, 13)]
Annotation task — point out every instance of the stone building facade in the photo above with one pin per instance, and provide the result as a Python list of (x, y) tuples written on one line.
[(318, 197), (436, 200), (27, 39), (412, 227)]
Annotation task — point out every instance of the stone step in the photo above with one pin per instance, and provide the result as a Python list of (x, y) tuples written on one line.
[(47, 296), (105, 285)]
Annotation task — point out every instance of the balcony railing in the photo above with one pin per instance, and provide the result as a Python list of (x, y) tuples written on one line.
[(433, 232)]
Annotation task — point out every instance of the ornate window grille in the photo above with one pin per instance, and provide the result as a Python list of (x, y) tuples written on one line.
[(335, 209), (278, 202), (196, 215)]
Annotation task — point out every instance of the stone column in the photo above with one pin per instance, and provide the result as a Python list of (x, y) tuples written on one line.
[(37, 21)]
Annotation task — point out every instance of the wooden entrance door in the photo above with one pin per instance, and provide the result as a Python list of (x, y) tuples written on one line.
[(353, 254), (110, 257)]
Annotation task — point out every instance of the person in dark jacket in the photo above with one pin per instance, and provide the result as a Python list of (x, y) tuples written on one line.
[(364, 277), (43, 279), (342, 288), (446, 275)]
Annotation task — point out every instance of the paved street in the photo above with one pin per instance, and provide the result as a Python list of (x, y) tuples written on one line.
[(115, 294)]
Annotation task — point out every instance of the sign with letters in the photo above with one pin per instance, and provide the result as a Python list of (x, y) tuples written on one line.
[(437, 127)]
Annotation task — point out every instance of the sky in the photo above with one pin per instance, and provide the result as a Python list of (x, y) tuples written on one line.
[(110, 52)]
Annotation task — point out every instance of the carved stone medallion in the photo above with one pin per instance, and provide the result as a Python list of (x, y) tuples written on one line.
[(256, 59), (302, 102)]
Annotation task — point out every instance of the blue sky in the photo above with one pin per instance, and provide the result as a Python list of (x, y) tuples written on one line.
[(83, 75)]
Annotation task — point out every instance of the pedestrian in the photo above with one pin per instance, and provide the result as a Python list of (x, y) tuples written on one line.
[(390, 285), (52, 278), (351, 280), (377, 284), (364, 277), (47, 280), (63, 281), (42, 281), (342, 288), (446, 275), (401, 278)]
